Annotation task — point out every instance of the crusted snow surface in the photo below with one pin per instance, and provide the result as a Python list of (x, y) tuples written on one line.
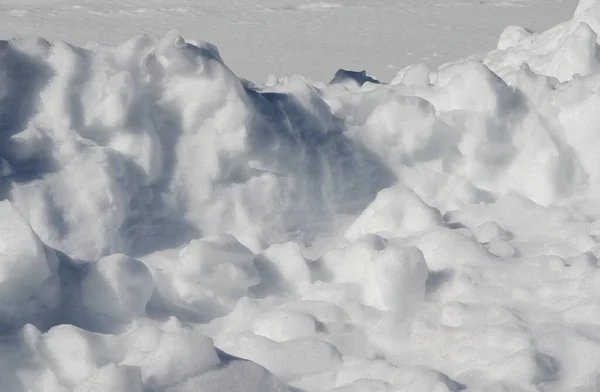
[(168, 226)]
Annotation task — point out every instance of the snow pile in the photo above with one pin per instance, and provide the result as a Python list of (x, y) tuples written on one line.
[(177, 147), (167, 226)]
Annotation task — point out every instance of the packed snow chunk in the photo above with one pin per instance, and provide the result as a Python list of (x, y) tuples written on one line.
[(322, 311), (525, 367), (169, 355), (563, 51), (22, 368), (236, 375), (288, 360), (79, 209), (395, 212), (144, 150), (562, 234), (283, 325), (577, 113), (446, 248), (587, 11), (287, 265), (215, 270), (23, 259), (24, 147), (355, 369), (29, 284), (458, 314), (339, 294), (536, 87), (415, 75), (185, 58), (582, 265), (401, 274), (544, 170), (400, 129), (500, 248), (403, 121), (74, 354), (512, 36), (577, 56), (350, 264), (389, 275), (117, 287), (488, 231), (224, 330), (470, 86), (112, 378), (5, 168)]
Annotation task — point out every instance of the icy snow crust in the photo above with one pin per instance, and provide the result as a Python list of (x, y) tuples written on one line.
[(167, 226)]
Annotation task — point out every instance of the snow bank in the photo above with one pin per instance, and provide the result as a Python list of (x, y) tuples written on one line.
[(167, 226)]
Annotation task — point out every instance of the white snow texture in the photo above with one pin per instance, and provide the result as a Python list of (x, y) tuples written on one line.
[(168, 226)]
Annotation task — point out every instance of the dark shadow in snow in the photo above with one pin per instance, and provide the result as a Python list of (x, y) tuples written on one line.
[(17, 359), (548, 368), (319, 272), (69, 274), (22, 78), (437, 279), (455, 225), (359, 77), (271, 280), (155, 224), (161, 308), (297, 138)]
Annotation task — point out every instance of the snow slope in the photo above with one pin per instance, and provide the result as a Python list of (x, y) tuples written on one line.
[(168, 226), (284, 37)]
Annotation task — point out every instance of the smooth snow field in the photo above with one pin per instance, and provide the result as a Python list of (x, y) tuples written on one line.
[(311, 38), (166, 225)]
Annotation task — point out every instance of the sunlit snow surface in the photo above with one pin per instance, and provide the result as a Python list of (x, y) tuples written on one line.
[(167, 226)]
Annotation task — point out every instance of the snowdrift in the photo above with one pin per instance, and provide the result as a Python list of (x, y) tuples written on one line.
[(167, 226)]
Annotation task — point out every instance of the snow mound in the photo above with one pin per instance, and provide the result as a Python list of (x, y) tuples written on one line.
[(395, 212), (213, 271), (168, 226), (29, 284), (118, 287), (159, 141)]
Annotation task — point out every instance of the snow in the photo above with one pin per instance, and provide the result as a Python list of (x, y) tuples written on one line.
[(166, 225), (117, 287)]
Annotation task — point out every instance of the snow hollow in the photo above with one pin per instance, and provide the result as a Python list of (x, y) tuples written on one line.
[(168, 226)]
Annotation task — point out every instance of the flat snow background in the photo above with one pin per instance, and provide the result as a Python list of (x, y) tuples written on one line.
[(285, 37)]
